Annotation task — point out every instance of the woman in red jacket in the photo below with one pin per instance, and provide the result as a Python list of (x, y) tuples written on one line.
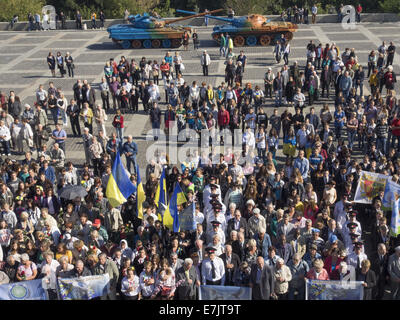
[(318, 272), (332, 262), (118, 124)]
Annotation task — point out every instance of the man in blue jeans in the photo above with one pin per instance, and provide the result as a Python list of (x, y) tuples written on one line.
[(130, 150), (5, 138)]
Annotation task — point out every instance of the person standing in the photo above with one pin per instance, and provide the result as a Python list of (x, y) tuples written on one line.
[(70, 64), (31, 20), (314, 11), (222, 45), (205, 61), (87, 140), (59, 136), (93, 18), (187, 291), (102, 18), (63, 20), (60, 64), (368, 278), (73, 111), (100, 118), (118, 124), (95, 151), (286, 52), (108, 266), (86, 116), (358, 13), (196, 41), (51, 62), (78, 20), (155, 118), (212, 269), (394, 273), (261, 280), (5, 138), (37, 22), (130, 149), (390, 54), (105, 94)]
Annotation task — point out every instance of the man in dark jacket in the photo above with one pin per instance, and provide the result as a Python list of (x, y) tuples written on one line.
[(236, 223), (155, 118), (379, 263), (231, 263), (14, 107), (187, 290), (108, 266), (261, 280), (80, 270), (326, 78), (73, 111)]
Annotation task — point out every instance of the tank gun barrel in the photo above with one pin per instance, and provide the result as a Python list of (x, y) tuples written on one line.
[(193, 15)]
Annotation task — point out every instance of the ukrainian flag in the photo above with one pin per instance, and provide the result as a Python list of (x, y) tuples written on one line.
[(140, 196), (161, 196), (119, 186), (171, 215)]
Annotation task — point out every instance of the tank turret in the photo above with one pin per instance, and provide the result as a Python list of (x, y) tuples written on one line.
[(251, 30), (151, 32)]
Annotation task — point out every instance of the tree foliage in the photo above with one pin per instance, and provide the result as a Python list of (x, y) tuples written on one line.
[(390, 5), (8, 8)]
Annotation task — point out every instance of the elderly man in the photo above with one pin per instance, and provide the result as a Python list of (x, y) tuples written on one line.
[(394, 273), (87, 140), (175, 262), (57, 157), (261, 280), (108, 266), (255, 223), (237, 223), (231, 263), (187, 290), (205, 61), (130, 149), (40, 137), (282, 277), (95, 151), (299, 269)]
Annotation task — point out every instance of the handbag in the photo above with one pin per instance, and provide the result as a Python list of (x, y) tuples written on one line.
[(182, 66)]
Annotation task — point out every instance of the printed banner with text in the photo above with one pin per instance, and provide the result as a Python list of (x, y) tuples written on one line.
[(334, 290), (83, 288), (224, 293), (24, 290)]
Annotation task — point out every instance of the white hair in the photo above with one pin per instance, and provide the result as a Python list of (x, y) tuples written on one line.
[(232, 205), (188, 261)]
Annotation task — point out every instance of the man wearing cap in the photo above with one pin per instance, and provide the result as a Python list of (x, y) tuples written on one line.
[(212, 269), (311, 255), (96, 225), (357, 256), (255, 223), (352, 220), (207, 190), (394, 273), (215, 230)]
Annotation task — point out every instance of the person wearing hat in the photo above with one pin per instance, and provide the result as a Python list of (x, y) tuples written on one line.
[(207, 190), (255, 223), (212, 269), (352, 220), (216, 229), (394, 273), (357, 256), (311, 255), (268, 82)]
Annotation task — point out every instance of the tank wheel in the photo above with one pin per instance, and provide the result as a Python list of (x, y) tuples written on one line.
[(156, 43), (265, 40), (216, 37), (238, 41), (136, 44), (166, 43), (176, 43), (147, 44), (114, 40), (126, 44), (251, 41), (288, 36)]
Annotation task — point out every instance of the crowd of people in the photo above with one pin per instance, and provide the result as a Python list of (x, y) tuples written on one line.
[(259, 223)]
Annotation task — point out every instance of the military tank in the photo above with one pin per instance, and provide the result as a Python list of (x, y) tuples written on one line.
[(251, 30), (150, 32)]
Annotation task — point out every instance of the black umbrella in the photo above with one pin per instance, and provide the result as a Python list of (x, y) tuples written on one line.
[(72, 192)]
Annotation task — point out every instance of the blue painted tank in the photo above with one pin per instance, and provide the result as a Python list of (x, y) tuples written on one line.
[(150, 32)]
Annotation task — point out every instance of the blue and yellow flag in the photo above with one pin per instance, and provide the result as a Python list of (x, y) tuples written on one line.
[(119, 186), (171, 215), (161, 196), (140, 196)]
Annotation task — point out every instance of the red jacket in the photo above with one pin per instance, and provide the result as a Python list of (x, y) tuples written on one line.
[(322, 276), (223, 118), (121, 121), (328, 266)]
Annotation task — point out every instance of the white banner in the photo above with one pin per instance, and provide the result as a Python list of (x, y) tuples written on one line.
[(334, 290), (369, 186)]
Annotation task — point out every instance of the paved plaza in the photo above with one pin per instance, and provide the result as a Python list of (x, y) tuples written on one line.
[(23, 65)]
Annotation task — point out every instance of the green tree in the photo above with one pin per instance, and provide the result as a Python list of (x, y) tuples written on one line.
[(390, 6), (19, 7)]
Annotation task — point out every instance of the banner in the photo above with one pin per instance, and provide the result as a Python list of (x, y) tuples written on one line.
[(5, 237), (369, 185), (186, 218), (334, 290), (224, 293), (23, 290), (83, 288), (395, 222), (391, 190)]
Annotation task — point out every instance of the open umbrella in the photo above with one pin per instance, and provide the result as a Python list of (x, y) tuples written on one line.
[(72, 192)]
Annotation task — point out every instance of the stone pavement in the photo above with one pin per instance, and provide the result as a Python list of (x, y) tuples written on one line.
[(23, 65)]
